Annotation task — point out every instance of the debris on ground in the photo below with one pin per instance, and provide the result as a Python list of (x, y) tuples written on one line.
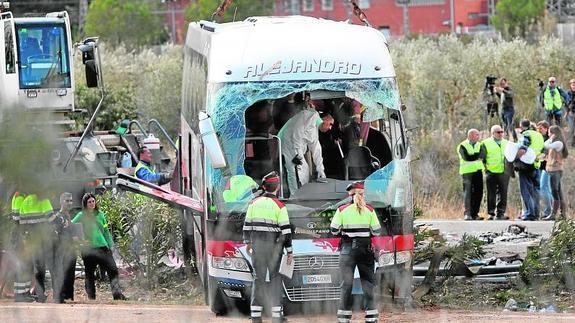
[(511, 305), (514, 233)]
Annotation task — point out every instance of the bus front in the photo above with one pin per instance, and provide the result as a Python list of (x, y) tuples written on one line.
[(251, 98)]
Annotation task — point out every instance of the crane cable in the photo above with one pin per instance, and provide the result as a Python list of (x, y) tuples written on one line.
[(359, 13), (221, 8)]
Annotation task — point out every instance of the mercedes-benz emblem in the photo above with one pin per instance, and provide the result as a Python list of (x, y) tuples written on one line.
[(315, 263)]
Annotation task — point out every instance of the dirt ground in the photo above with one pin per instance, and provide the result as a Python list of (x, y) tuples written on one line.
[(120, 312), (180, 304)]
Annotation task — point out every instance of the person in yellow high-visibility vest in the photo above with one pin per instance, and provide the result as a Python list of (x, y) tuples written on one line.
[(529, 176), (551, 98), (471, 171), (267, 232), (496, 173), (24, 264), (36, 227)]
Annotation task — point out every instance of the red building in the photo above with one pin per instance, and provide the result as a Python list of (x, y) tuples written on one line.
[(174, 11), (423, 16), (389, 16)]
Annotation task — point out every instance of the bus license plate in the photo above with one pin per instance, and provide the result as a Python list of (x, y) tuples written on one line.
[(316, 279)]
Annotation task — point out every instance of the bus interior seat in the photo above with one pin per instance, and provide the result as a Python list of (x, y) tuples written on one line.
[(379, 147), (360, 163), (260, 157)]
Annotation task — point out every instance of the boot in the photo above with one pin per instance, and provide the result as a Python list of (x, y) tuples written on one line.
[(24, 297), (117, 290), (555, 208)]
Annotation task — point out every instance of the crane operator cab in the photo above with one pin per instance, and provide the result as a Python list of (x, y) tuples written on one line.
[(37, 72)]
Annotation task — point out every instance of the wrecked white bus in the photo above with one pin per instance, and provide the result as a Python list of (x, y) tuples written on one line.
[(245, 79)]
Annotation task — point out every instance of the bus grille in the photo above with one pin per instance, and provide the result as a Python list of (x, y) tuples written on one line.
[(313, 293), (311, 262)]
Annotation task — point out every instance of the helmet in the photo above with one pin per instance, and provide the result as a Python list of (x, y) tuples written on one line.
[(355, 185)]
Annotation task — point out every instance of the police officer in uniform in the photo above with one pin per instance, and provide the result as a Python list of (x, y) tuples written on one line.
[(36, 217), (267, 231), (356, 223), (23, 277)]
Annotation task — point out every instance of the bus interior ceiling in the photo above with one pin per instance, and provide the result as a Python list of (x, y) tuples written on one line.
[(344, 157)]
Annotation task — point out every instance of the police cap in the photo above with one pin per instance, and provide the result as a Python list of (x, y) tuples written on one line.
[(355, 185), (271, 178)]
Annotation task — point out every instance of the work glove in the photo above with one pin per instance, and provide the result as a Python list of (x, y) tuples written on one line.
[(297, 160), (321, 178), (165, 178)]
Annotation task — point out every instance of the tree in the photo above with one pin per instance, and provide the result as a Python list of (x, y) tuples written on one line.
[(128, 22), (516, 17), (237, 11)]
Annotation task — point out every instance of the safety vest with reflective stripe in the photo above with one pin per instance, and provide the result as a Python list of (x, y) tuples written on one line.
[(494, 157), (267, 214), (34, 210), (537, 144), (140, 166), (467, 167), (552, 102), (348, 221), (16, 204)]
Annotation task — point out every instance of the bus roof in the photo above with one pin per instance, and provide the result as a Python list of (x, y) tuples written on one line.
[(290, 48)]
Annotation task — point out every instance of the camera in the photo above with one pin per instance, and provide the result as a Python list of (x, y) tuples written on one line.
[(492, 105), (540, 84), (490, 83)]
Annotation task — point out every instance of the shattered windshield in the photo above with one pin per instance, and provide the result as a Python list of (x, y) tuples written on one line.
[(230, 107), (43, 56)]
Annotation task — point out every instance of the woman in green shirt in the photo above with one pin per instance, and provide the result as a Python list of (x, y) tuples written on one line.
[(98, 249)]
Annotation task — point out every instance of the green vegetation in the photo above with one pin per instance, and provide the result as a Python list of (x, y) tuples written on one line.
[(442, 80), (127, 22), (140, 85), (552, 263), (517, 18), (144, 231), (237, 11)]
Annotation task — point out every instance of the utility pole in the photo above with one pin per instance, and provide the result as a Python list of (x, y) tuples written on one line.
[(405, 4), (172, 10), (173, 16), (452, 16), (82, 12)]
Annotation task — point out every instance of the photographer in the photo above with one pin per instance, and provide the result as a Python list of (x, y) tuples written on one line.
[(505, 94)]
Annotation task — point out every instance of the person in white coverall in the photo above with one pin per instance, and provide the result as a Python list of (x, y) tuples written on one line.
[(298, 135)]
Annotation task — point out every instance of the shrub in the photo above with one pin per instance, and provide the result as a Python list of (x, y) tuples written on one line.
[(143, 229)]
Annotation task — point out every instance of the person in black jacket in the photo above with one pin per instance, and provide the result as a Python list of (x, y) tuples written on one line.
[(505, 94), (65, 253)]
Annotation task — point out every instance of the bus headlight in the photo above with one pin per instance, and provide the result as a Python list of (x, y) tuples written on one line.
[(385, 259), (403, 257), (229, 263)]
